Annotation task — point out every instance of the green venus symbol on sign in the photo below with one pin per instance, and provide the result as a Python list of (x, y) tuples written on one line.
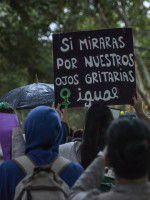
[(65, 97)]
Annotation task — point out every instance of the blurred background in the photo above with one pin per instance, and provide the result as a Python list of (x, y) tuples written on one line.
[(26, 28)]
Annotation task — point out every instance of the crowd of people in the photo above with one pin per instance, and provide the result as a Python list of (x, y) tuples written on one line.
[(104, 145)]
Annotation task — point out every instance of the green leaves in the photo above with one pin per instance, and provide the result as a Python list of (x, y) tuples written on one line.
[(25, 47), (25, 31)]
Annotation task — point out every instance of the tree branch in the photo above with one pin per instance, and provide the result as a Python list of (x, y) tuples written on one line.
[(142, 67)]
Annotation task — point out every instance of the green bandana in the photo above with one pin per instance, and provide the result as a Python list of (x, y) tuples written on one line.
[(3, 105)]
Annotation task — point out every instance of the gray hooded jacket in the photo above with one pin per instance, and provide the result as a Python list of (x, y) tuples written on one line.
[(86, 186)]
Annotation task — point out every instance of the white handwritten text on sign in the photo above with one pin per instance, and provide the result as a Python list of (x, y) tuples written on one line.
[(94, 66)]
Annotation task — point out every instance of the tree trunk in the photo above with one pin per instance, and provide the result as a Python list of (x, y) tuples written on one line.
[(141, 66), (141, 89)]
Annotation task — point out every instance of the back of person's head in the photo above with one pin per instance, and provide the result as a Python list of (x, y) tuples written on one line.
[(97, 120), (77, 135), (43, 129), (6, 108), (129, 148)]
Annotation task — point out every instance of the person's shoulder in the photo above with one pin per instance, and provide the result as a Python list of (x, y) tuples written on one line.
[(77, 144), (75, 167), (72, 173), (8, 169), (67, 144), (7, 164)]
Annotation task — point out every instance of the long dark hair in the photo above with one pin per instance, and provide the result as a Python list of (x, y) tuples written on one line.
[(97, 120)]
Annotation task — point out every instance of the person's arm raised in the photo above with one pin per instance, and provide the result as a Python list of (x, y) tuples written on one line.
[(139, 108), (60, 112), (63, 115), (87, 186)]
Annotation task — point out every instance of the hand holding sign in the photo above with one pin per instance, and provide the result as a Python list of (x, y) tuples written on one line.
[(58, 110)]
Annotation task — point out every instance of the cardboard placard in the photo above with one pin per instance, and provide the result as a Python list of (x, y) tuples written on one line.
[(94, 66)]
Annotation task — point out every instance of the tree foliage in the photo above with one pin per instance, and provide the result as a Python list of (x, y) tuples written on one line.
[(26, 29)]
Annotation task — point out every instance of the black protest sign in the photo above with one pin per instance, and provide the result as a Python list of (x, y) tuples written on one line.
[(94, 66)]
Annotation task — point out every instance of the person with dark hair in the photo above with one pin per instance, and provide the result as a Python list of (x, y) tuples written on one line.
[(43, 132), (77, 135), (98, 118), (128, 143), (64, 122), (128, 152), (11, 138)]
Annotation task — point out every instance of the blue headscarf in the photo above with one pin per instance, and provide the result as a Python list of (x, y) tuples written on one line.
[(43, 132)]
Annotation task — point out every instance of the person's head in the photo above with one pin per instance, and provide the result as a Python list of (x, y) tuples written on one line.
[(43, 129), (97, 120), (77, 135), (6, 108), (128, 143)]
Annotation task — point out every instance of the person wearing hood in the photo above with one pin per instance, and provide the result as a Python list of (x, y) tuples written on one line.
[(43, 132)]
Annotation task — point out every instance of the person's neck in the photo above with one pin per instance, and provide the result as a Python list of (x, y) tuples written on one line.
[(131, 181)]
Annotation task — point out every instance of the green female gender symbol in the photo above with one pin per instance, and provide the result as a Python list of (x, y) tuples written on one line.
[(66, 101)]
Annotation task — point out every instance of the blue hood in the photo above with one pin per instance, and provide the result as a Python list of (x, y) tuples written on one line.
[(43, 132)]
